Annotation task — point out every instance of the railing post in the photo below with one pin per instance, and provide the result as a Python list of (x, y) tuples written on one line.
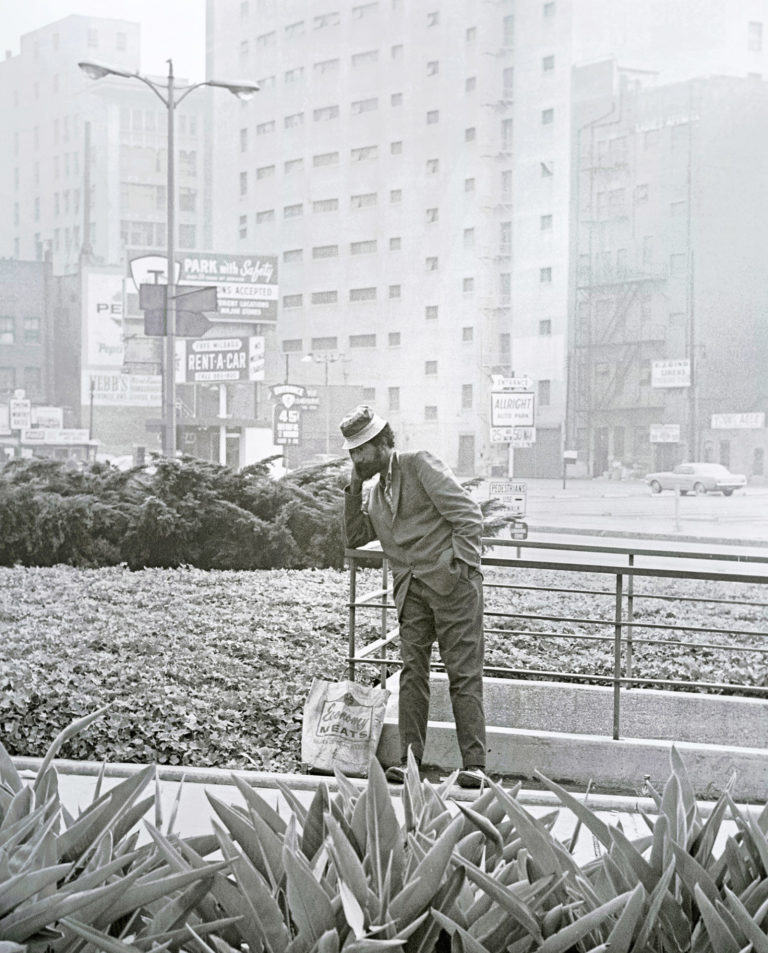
[(617, 657), (383, 628), (352, 608), (630, 617)]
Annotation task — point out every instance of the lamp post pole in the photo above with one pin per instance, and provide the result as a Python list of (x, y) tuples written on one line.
[(167, 95), (169, 417)]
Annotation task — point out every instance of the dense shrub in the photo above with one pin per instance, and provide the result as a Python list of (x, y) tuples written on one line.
[(169, 514), (186, 512)]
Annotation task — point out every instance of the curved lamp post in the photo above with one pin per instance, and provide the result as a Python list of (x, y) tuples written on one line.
[(167, 94)]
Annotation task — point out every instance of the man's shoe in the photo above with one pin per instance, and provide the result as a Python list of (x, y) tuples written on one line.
[(471, 778), (395, 774)]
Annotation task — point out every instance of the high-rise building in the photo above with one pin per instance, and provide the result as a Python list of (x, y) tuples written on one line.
[(76, 151), (411, 164)]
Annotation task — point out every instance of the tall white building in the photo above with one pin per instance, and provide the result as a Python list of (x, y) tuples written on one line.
[(411, 165)]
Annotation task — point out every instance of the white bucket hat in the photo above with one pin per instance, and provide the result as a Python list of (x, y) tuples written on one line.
[(360, 425)]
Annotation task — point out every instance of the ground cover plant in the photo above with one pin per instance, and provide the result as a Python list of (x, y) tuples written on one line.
[(347, 873), (219, 663)]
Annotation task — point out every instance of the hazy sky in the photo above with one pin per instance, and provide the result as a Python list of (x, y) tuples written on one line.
[(169, 28)]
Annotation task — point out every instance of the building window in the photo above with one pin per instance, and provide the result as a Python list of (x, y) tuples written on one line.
[(433, 116), (396, 148), (545, 327), (547, 169), (325, 205), (264, 128), (369, 395), (365, 200), (294, 121), (470, 84), (363, 59), (466, 396), (430, 367), (266, 215), (93, 38), (469, 185), (430, 412), (266, 39), (431, 263), (547, 117), (6, 329), (7, 379), (326, 66), (547, 64), (294, 75), (293, 211), (243, 227), (393, 394), (366, 152), (364, 10), (243, 183), (467, 334), (432, 214), (325, 113), (394, 291), (33, 381), (325, 251), (362, 294), (265, 171), (364, 105), (293, 301), (397, 51), (293, 346), (755, 36), (294, 29), (430, 312), (362, 340), (395, 243), (187, 236), (545, 275), (395, 196), (396, 99), (363, 248), (293, 165), (293, 254), (544, 389), (325, 344), (470, 34), (325, 158), (548, 10), (433, 18), (469, 134), (324, 297), (433, 166), (468, 286), (433, 67), (545, 223), (326, 19)]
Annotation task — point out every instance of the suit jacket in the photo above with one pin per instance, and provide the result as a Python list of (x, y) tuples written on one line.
[(433, 528)]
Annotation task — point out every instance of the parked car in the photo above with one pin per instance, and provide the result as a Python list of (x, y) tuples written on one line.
[(697, 478)]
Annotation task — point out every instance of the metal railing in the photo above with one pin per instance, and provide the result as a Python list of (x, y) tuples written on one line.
[(629, 628)]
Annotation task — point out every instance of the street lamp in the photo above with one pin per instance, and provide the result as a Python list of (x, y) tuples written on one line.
[(326, 359), (167, 95)]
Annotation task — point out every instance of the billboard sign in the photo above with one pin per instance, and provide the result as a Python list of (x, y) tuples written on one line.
[(115, 389), (54, 436), (671, 373), (749, 421), (512, 409), (246, 285), (103, 331), (287, 425), (5, 420), (20, 413), (211, 360), (665, 433)]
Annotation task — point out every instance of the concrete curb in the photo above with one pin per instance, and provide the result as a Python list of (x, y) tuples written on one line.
[(627, 804), (628, 534)]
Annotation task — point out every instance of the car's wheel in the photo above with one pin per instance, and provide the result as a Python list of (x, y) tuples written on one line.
[(655, 486), (699, 489), (727, 492)]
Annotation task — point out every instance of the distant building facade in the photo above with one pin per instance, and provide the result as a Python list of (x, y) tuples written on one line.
[(412, 165), (669, 339)]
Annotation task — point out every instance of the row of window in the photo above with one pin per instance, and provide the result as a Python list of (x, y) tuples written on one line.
[(29, 328), (153, 235), (31, 380)]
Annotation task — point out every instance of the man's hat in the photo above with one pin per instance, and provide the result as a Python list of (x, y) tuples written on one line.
[(360, 425)]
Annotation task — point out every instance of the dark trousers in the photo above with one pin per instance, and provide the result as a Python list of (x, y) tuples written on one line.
[(456, 621)]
